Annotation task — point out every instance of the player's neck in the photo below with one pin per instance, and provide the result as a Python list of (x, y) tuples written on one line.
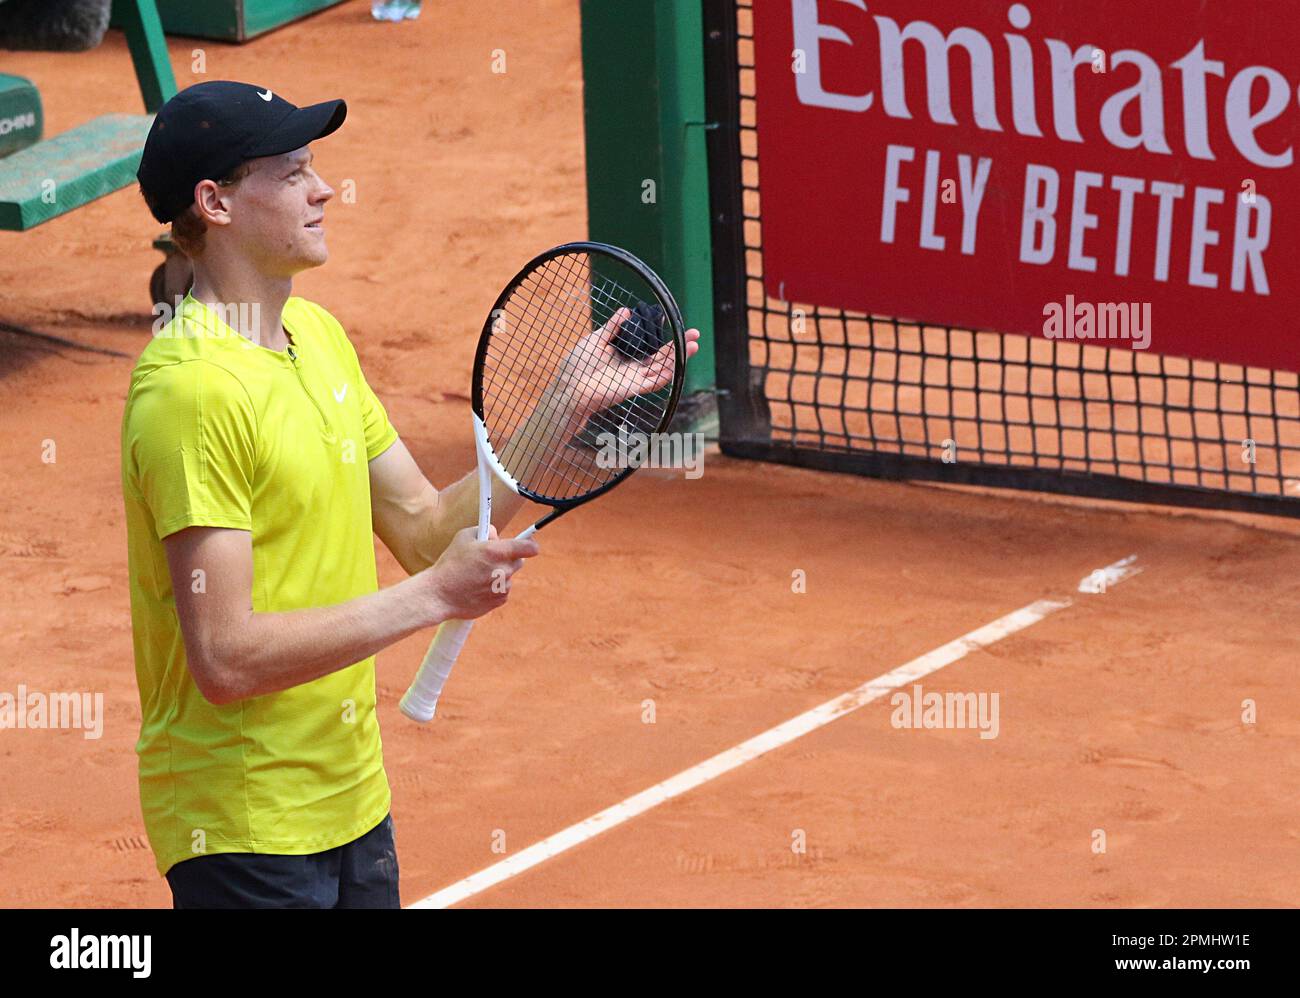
[(235, 289)]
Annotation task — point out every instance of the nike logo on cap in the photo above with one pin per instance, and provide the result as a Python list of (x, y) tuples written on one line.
[(265, 96)]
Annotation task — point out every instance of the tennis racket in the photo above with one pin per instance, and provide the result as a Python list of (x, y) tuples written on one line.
[(583, 351)]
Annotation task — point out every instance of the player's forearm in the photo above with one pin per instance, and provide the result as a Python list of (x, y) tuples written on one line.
[(549, 427), (456, 508), (269, 652)]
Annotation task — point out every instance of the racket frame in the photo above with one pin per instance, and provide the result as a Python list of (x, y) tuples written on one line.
[(677, 329)]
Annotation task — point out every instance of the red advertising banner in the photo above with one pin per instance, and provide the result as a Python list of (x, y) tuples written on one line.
[(1105, 170)]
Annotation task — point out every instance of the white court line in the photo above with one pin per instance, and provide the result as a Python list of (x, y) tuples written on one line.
[(1098, 581), (773, 738)]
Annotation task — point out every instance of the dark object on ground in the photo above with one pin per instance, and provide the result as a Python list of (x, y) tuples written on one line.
[(53, 25)]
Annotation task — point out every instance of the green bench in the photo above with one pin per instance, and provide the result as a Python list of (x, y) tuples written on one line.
[(57, 175)]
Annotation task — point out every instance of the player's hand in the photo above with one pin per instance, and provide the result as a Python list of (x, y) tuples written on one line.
[(473, 577), (597, 375)]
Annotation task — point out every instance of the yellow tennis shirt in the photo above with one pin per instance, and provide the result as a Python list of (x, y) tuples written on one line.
[(221, 432)]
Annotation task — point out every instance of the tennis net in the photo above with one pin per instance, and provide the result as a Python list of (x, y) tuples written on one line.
[(875, 395)]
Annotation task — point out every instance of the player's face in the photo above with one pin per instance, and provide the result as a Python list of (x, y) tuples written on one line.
[(278, 214)]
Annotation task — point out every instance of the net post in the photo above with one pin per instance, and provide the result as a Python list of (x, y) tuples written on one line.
[(646, 158), (687, 263), (741, 404)]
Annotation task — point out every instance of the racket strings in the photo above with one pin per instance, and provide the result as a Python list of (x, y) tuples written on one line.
[(568, 469), (534, 317), (610, 305), (544, 336), (551, 349)]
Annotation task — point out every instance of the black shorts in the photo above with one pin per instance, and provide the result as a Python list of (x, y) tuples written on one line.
[(360, 874)]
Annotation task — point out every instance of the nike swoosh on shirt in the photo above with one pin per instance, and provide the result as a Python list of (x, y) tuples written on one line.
[(265, 96), (339, 396)]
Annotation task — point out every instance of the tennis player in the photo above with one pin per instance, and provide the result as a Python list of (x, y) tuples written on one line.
[(256, 462)]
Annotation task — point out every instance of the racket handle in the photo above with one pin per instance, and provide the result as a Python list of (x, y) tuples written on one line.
[(421, 700)]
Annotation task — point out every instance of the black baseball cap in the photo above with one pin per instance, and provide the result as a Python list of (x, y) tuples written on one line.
[(207, 130)]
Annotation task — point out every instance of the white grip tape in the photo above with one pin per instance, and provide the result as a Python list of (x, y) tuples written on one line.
[(421, 700)]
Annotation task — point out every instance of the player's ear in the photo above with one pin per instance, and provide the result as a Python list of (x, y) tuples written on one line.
[(209, 200)]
